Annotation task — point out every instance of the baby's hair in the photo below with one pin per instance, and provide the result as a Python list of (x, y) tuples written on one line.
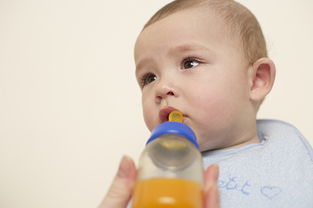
[(238, 17)]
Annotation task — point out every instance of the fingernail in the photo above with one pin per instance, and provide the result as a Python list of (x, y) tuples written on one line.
[(123, 170)]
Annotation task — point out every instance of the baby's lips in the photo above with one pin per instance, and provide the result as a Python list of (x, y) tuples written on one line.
[(164, 112)]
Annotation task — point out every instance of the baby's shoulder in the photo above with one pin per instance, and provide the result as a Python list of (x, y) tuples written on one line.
[(281, 136), (276, 126)]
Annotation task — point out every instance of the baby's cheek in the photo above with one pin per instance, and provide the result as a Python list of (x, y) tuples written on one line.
[(213, 110), (148, 121), (211, 123), (147, 118)]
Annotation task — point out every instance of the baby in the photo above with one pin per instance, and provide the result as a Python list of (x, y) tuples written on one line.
[(208, 59)]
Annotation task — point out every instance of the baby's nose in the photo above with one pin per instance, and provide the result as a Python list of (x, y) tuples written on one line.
[(164, 93)]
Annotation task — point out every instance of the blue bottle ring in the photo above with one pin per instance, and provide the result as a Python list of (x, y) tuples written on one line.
[(173, 127)]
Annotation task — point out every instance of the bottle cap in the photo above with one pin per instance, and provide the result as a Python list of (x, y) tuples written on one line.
[(174, 127)]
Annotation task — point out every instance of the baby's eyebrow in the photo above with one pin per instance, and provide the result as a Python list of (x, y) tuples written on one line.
[(187, 47)]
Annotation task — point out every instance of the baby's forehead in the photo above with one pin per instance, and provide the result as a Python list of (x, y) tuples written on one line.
[(186, 20), (205, 16), (206, 7)]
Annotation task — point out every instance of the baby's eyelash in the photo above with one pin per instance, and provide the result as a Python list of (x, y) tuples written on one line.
[(147, 79), (189, 60)]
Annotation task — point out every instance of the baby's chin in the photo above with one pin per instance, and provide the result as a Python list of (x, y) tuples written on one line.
[(151, 124)]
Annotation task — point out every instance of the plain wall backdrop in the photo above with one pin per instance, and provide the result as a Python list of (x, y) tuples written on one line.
[(69, 103)]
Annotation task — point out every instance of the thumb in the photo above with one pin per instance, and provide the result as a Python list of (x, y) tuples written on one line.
[(121, 188)]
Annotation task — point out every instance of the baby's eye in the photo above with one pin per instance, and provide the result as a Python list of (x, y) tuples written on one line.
[(147, 79), (190, 63)]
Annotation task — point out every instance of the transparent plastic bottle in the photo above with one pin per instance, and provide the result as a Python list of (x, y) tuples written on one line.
[(170, 172)]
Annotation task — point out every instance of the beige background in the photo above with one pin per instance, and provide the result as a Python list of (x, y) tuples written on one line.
[(69, 103)]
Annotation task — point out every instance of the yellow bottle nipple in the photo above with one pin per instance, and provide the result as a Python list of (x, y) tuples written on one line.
[(174, 144), (176, 115)]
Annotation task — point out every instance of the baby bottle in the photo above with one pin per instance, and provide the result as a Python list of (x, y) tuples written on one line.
[(170, 172)]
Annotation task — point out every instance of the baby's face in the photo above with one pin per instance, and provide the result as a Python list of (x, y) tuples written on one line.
[(188, 61)]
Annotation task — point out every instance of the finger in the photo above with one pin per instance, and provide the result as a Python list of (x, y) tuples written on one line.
[(210, 187), (212, 198), (121, 188), (210, 176)]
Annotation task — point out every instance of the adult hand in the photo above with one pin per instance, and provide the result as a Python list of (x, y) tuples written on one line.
[(121, 188)]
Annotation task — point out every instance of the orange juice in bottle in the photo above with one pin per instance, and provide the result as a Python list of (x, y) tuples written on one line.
[(170, 173), (166, 193)]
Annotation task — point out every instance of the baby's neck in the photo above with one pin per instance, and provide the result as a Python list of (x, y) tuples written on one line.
[(253, 140)]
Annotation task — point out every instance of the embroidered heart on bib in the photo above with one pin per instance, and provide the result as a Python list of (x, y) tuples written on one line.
[(270, 192)]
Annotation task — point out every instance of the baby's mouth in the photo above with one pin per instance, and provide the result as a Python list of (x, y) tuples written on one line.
[(164, 113)]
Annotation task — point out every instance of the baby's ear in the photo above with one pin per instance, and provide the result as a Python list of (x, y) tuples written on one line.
[(262, 76)]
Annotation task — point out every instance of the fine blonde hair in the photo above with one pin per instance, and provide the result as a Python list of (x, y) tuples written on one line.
[(238, 17)]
